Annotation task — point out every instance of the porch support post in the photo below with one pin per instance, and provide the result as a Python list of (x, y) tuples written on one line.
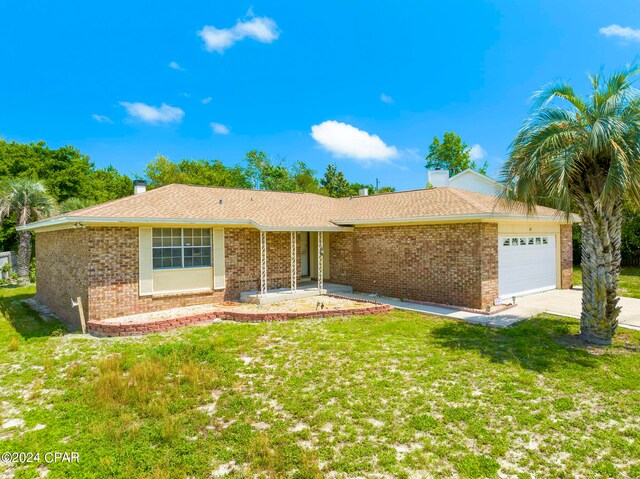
[(320, 262), (263, 263), (294, 261)]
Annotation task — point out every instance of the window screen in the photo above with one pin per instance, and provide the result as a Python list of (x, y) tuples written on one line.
[(181, 248)]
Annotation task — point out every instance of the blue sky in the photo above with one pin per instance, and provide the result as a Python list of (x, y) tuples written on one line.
[(364, 84)]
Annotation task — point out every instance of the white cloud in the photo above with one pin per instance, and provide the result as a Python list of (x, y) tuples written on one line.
[(386, 99), (206, 101), (153, 114), (215, 39), (346, 140), (477, 152), (622, 32), (262, 29), (176, 66), (101, 118), (220, 129)]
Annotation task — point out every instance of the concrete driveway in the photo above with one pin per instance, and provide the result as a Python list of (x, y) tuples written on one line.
[(568, 302)]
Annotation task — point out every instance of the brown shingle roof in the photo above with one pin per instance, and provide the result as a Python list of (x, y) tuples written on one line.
[(265, 208), (272, 209), (432, 202)]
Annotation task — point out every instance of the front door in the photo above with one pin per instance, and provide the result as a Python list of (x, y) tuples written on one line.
[(304, 250)]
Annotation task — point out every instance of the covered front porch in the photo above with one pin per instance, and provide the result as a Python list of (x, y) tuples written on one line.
[(305, 289), (309, 267)]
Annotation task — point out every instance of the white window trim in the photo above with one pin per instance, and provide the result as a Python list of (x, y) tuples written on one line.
[(218, 259), (182, 248), (145, 261)]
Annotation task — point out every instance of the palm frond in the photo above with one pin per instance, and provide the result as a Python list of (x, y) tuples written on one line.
[(73, 204), (594, 79), (27, 198), (588, 148), (562, 90), (617, 179)]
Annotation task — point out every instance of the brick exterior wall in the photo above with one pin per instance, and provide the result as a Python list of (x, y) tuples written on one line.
[(566, 256), (242, 251), (488, 263), (114, 276), (454, 264), (103, 265), (62, 274)]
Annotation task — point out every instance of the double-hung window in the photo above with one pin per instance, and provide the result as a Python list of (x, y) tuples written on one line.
[(181, 248)]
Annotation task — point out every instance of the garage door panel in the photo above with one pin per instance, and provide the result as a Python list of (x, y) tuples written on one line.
[(526, 264)]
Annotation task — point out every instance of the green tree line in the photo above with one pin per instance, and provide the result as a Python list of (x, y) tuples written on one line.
[(74, 181)]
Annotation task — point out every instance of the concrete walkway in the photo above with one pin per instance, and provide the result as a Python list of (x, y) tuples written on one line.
[(560, 302)]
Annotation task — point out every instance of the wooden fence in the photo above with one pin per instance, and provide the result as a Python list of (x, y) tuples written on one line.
[(627, 260), (631, 260)]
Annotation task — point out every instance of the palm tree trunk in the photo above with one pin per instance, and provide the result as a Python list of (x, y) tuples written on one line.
[(24, 256), (601, 236)]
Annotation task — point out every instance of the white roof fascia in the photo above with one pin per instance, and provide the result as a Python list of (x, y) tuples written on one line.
[(486, 217), (67, 222), (72, 221)]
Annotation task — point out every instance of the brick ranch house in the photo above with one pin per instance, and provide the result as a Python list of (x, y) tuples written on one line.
[(182, 245)]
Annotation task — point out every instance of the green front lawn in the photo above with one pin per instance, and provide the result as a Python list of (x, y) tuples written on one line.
[(399, 395), (629, 281)]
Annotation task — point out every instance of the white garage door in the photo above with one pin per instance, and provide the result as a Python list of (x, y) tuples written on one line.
[(526, 264)]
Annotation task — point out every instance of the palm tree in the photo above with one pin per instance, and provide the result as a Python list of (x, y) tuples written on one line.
[(582, 154), (29, 200)]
